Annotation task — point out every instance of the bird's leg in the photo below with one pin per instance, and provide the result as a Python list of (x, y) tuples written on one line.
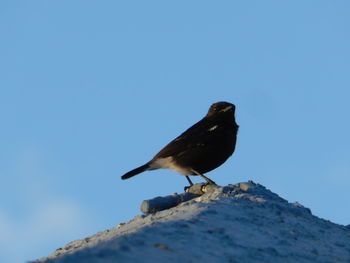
[(204, 177), (189, 180)]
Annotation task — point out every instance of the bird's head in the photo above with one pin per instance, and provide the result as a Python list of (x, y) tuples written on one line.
[(221, 107)]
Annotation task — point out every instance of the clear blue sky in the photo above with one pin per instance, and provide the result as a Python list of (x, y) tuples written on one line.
[(92, 89)]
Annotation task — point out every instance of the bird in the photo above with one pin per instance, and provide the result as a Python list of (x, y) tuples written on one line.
[(201, 148)]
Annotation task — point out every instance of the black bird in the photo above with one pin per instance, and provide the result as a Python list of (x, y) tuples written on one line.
[(202, 148)]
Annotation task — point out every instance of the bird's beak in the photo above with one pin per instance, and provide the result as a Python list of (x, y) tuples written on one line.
[(227, 108)]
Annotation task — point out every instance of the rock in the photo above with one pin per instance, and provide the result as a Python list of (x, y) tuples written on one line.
[(243, 222)]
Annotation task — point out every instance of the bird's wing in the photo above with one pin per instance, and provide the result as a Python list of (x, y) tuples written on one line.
[(197, 135)]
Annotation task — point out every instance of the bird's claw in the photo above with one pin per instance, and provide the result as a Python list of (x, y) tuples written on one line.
[(209, 182)]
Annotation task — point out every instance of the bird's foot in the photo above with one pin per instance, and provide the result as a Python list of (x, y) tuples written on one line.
[(186, 188), (208, 187), (195, 189), (209, 181)]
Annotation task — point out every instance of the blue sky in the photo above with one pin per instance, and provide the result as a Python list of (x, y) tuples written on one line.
[(92, 89)]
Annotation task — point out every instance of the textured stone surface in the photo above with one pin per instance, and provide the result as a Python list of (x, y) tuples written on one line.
[(244, 222)]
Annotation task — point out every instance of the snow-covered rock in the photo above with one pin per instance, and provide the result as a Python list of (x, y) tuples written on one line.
[(244, 222)]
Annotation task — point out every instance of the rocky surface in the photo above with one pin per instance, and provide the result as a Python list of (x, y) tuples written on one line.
[(244, 222)]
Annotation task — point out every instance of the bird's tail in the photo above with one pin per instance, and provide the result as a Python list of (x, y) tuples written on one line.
[(135, 171)]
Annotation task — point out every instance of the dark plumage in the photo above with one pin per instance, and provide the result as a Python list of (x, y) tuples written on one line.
[(202, 148)]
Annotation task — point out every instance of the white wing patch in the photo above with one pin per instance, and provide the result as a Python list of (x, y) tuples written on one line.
[(213, 128)]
